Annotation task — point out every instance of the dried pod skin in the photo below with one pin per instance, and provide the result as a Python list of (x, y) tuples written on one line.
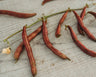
[(17, 14), (80, 30), (45, 1), (21, 46), (29, 52), (58, 30), (48, 43), (6, 50), (79, 44), (93, 13), (88, 33)]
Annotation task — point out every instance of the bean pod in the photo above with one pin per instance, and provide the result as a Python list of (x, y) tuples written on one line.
[(80, 30), (21, 46), (45, 1), (79, 44), (93, 13), (58, 30), (29, 52), (17, 14), (48, 43), (88, 33)]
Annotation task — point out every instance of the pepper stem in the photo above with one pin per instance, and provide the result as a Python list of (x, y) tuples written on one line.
[(38, 20), (66, 27), (69, 59), (16, 60), (87, 5)]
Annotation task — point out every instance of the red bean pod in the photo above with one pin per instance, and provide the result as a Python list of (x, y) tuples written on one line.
[(21, 46), (45, 1), (79, 44), (88, 33), (17, 14), (48, 43), (58, 30), (29, 52), (93, 13), (80, 30)]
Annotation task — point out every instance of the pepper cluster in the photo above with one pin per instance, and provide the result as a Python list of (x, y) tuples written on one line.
[(26, 39), (80, 27)]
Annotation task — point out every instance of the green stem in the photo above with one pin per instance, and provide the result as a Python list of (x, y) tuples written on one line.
[(39, 21), (11, 35), (34, 23), (61, 12)]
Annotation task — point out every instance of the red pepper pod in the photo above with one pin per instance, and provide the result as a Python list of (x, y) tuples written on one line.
[(21, 46), (80, 30), (29, 52), (17, 14), (58, 30), (88, 33), (92, 13), (48, 43), (79, 44), (45, 1)]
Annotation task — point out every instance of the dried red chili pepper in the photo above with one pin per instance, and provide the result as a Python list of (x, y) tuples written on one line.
[(48, 43), (30, 37), (79, 44), (45, 1), (89, 34), (29, 52), (17, 14), (80, 30), (57, 33), (93, 13)]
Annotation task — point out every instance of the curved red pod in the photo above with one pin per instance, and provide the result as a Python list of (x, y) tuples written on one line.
[(29, 52), (30, 37), (45, 1), (17, 14), (88, 33), (80, 30), (58, 30), (21, 45), (93, 13), (48, 43), (79, 44)]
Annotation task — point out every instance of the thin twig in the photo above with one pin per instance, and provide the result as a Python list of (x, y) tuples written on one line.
[(38, 20)]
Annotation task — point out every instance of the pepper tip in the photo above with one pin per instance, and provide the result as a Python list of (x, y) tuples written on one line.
[(16, 60), (68, 59), (58, 35)]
